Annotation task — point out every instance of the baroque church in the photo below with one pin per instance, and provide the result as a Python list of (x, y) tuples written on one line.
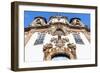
[(56, 39)]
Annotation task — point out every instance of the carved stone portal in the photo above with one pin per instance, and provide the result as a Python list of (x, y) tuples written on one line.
[(50, 51)]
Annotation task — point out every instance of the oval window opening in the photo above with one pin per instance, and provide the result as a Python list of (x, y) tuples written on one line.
[(58, 57)]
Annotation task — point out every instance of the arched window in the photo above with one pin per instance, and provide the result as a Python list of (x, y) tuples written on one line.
[(38, 21), (59, 32)]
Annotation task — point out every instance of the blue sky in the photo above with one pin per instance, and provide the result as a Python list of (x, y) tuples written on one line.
[(29, 16)]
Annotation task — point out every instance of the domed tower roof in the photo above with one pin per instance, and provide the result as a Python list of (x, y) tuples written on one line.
[(39, 21), (74, 19), (76, 22), (41, 18)]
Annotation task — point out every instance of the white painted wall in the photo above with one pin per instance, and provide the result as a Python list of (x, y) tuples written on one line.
[(83, 51), (5, 40), (34, 53)]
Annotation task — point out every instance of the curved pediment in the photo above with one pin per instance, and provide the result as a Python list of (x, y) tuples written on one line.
[(58, 19)]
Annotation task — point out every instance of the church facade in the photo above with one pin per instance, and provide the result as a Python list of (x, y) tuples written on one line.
[(56, 39)]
